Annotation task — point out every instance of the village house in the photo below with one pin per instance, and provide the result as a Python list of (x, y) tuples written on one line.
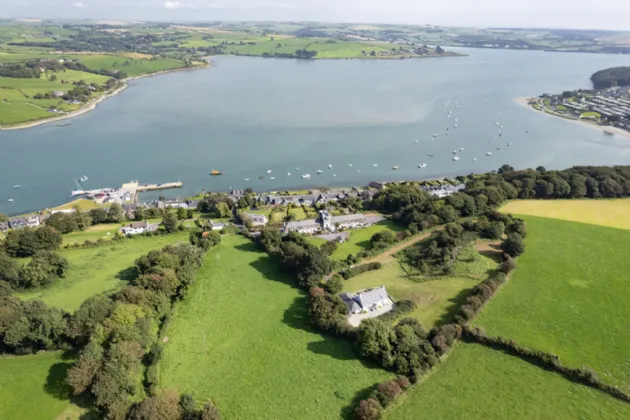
[(137, 228), (349, 221), (306, 227), (26, 221), (4, 226), (443, 191), (367, 300), (130, 210), (257, 219)]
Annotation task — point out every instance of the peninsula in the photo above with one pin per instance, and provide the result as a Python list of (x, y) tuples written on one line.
[(51, 71), (607, 105)]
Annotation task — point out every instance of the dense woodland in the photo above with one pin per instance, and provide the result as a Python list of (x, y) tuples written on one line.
[(615, 76)]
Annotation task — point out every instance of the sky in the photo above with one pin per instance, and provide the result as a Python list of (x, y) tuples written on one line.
[(601, 14)]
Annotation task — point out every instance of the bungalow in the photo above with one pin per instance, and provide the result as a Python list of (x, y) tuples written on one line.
[(303, 226), (257, 219), (366, 300), (138, 228)]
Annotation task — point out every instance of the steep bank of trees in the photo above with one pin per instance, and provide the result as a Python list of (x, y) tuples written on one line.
[(615, 76)]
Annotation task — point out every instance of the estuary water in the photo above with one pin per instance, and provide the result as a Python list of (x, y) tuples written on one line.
[(244, 116)]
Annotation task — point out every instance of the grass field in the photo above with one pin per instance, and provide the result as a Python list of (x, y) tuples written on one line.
[(613, 213), (31, 387), (360, 239), (569, 296), (439, 297), (475, 382), (98, 269), (242, 338)]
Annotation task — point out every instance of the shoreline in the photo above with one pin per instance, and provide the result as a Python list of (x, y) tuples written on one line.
[(91, 105), (523, 101)]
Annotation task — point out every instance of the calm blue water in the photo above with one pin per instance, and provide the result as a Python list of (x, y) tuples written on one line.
[(246, 115)]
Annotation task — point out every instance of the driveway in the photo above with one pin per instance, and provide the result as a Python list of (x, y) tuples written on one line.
[(355, 320), (334, 236)]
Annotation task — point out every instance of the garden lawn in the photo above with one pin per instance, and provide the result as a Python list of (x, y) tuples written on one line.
[(360, 238), (569, 296), (98, 269), (438, 298), (242, 338), (475, 382), (613, 213), (31, 387)]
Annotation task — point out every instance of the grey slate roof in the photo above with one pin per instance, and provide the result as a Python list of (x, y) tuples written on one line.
[(375, 295)]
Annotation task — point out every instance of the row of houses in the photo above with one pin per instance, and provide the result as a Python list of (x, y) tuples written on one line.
[(443, 190), (327, 222), (137, 228), (33, 220), (130, 208)]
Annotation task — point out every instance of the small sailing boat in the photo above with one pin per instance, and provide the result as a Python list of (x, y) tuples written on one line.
[(456, 158), (15, 187), (246, 179), (350, 165), (214, 172), (489, 154), (431, 155), (375, 165), (268, 171), (319, 171), (395, 168), (288, 173), (474, 159), (261, 177), (461, 149), (329, 166), (10, 200), (83, 178), (306, 176), (272, 177), (422, 165)]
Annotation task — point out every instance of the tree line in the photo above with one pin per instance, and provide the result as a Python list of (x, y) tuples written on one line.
[(615, 76)]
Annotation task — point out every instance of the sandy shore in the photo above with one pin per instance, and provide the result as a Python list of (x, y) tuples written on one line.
[(584, 123), (89, 106)]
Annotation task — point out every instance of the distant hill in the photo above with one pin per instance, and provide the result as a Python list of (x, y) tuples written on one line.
[(616, 76)]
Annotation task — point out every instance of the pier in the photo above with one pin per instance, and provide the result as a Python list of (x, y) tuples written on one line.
[(128, 192)]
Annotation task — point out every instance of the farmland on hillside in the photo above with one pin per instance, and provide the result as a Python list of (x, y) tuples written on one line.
[(612, 213), (437, 297), (244, 331), (475, 382), (569, 297), (98, 269)]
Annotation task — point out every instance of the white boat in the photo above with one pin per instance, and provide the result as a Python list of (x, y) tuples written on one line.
[(416, 141), (375, 165), (246, 179), (474, 159), (435, 134), (297, 169), (455, 125), (10, 200), (454, 152), (431, 155), (489, 154), (456, 158), (15, 187), (288, 173), (272, 177), (268, 171), (306, 176), (83, 178), (422, 165), (334, 175), (319, 171), (448, 116), (461, 149), (350, 165), (509, 144), (329, 166), (395, 168)]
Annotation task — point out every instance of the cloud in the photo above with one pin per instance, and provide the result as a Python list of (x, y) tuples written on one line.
[(78, 4), (176, 4)]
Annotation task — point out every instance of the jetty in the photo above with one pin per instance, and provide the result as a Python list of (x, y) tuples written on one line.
[(128, 192)]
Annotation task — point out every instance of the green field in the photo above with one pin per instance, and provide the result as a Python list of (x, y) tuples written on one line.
[(437, 298), (475, 382), (133, 67), (242, 338), (569, 296), (360, 239), (98, 269), (31, 387)]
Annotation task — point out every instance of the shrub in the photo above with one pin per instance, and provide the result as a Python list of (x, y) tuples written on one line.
[(334, 284), (402, 307), (387, 392), (403, 382), (508, 265), (513, 245), (369, 409), (360, 269)]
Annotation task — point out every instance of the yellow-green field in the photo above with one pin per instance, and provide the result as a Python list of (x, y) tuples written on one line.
[(611, 213)]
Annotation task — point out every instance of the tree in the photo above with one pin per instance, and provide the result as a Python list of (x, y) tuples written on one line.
[(53, 78), (139, 214), (64, 223), (329, 248), (188, 407), (27, 241), (9, 269), (387, 392), (164, 406), (369, 409), (513, 245), (382, 239), (269, 239), (374, 341), (82, 374), (334, 284), (182, 214), (328, 312), (169, 221), (116, 213), (210, 412), (3, 218), (223, 210), (98, 215)]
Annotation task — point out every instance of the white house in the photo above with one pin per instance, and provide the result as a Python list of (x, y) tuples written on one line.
[(137, 228), (303, 226), (349, 221), (366, 300), (257, 219)]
